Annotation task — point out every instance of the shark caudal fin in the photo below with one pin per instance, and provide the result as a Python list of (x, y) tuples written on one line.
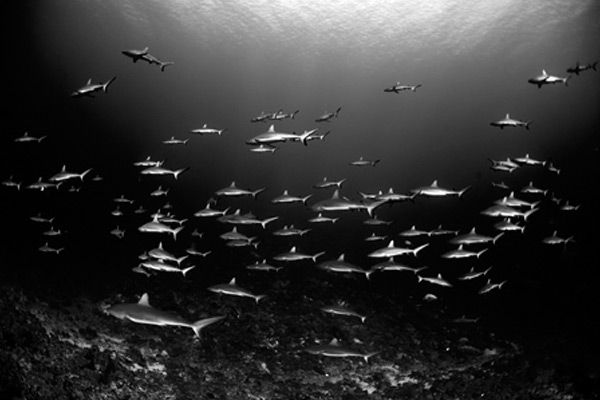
[(179, 171), (498, 236), (203, 323), (163, 65), (369, 355), (319, 254), (41, 138), (566, 80), (337, 112), (105, 86), (528, 213), (264, 222), (174, 232), (481, 252), (414, 88), (188, 269), (304, 137), (180, 259), (259, 298), (371, 207), (418, 249), (84, 173), (463, 191), (257, 192), (294, 114), (527, 124), (305, 199)]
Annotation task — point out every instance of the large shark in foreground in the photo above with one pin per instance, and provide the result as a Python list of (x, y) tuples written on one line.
[(143, 313)]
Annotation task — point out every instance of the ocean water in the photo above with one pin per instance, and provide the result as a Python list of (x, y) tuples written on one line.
[(236, 60)]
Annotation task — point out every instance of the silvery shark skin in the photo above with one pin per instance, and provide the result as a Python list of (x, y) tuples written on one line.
[(392, 251), (507, 212), (345, 311), (294, 255), (38, 218), (376, 222), (290, 230), (192, 251), (460, 252), (233, 234), (569, 207), (474, 238), (237, 218), (500, 185), (333, 349), (326, 117), (150, 59), (159, 192), (472, 274), (52, 232), (143, 313), (392, 197), (118, 232), (205, 130), (503, 165), (90, 88), (155, 226), (375, 238), (553, 169), (434, 190), (512, 201), (320, 219), (533, 190), (286, 198), (173, 141), (263, 148), (271, 136), (123, 199), (361, 162), (439, 231), (158, 265), (233, 191), (263, 116), (232, 289), (582, 67), (489, 286), (527, 160), (340, 265), (279, 115), (555, 239), (508, 122), (63, 175), (545, 79), (26, 138), (437, 280), (163, 171), (397, 88)]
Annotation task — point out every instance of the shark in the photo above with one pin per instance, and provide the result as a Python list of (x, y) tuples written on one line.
[(279, 115), (361, 162), (207, 211), (290, 230), (375, 238), (173, 141), (341, 203), (118, 232), (489, 286), (337, 309), (582, 67), (233, 234), (263, 116), (503, 165), (397, 88), (472, 237), (508, 122), (90, 88), (391, 251), (512, 201), (148, 162), (434, 190), (328, 116), (392, 265), (159, 191), (375, 221), (472, 274), (39, 218), (527, 160), (134, 54), (393, 197), (294, 255), (143, 313), (325, 183), (531, 189), (334, 349), (192, 251), (161, 254), (320, 219), (262, 266), (555, 239), (569, 207), (45, 248), (159, 265), (11, 182), (41, 185), (52, 232), (27, 138), (439, 231), (286, 198), (155, 226), (545, 79), (507, 226), (233, 289), (341, 265), (150, 59), (122, 199), (272, 136), (233, 191), (205, 130), (436, 280), (163, 171), (414, 232), (263, 148), (64, 175), (460, 252), (507, 212)]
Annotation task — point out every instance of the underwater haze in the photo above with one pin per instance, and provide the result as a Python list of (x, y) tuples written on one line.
[(234, 60)]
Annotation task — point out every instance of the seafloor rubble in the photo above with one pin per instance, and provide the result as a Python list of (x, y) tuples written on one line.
[(71, 350)]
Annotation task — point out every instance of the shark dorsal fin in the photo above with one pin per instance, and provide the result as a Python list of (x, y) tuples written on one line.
[(89, 81), (285, 192), (160, 245), (460, 247), (234, 229), (391, 190), (507, 116), (143, 301), (341, 257), (434, 183), (320, 215), (544, 72), (336, 194), (271, 128), (361, 158), (334, 342), (554, 233), (232, 281), (204, 126), (237, 212), (439, 276), (293, 249), (64, 168), (413, 228), (472, 230), (232, 184), (390, 244)]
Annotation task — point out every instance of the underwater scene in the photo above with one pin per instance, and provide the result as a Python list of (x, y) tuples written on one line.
[(300, 200)]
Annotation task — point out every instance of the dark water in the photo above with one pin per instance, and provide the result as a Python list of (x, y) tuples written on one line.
[(232, 62)]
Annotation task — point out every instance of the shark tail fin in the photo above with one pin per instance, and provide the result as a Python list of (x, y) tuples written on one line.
[(41, 138), (363, 319), (84, 173), (369, 355), (481, 252), (570, 239), (259, 298), (58, 251), (264, 222), (163, 65), (375, 162), (414, 88), (319, 254), (200, 324), (294, 113), (594, 64), (527, 124), (188, 269), (498, 236), (368, 276), (418, 249), (180, 171), (176, 231), (528, 213), (371, 207), (339, 184), (105, 86), (181, 259), (257, 192), (337, 111), (463, 191), (305, 199)]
